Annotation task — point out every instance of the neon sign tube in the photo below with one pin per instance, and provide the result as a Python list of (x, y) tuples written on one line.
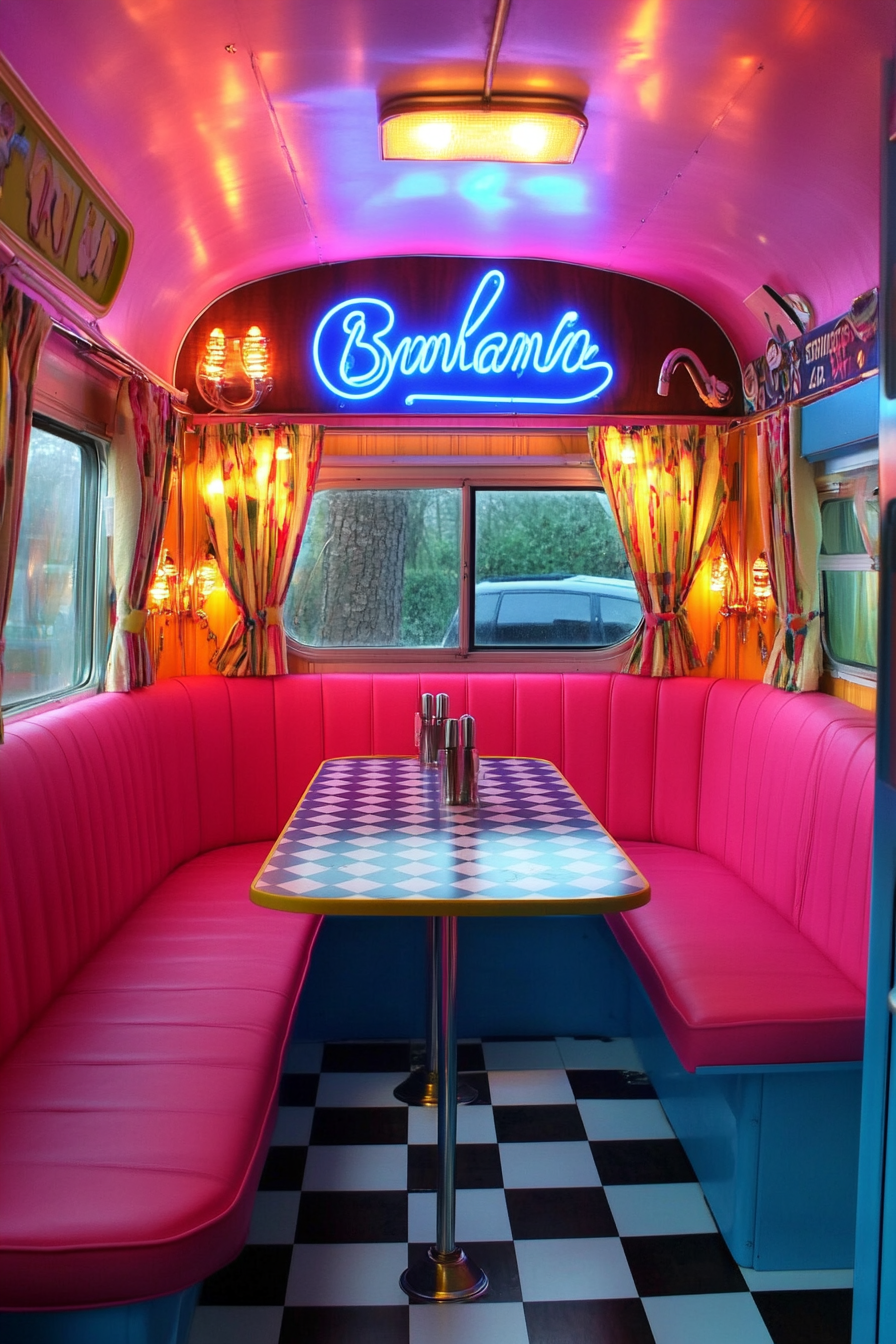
[(356, 355)]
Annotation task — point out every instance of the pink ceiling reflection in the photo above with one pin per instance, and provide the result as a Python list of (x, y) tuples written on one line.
[(731, 143)]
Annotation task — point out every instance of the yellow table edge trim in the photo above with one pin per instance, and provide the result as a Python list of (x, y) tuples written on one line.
[(466, 905)]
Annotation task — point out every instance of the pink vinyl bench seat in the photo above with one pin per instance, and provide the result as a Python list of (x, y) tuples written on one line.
[(146, 1004)]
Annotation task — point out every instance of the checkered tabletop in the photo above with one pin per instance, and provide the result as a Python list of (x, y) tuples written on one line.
[(371, 833)]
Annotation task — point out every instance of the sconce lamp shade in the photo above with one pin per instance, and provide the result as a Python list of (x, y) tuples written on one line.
[(464, 127), (763, 592), (720, 574)]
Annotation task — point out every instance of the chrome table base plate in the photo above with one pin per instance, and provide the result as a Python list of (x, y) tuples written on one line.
[(444, 1277), (421, 1088)]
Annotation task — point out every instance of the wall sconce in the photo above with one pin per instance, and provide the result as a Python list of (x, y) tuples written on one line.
[(176, 596), (724, 579), (234, 374)]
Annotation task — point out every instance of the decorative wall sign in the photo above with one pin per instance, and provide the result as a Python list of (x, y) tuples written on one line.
[(818, 361), (358, 351), (52, 210), (465, 336)]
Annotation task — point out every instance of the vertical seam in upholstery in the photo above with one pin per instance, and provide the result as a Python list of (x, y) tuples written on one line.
[(233, 831), (320, 717), (608, 745), (370, 713), (698, 801), (191, 706), (653, 755), (277, 813), (513, 720)]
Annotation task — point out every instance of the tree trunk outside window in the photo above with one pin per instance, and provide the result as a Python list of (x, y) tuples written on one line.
[(363, 567)]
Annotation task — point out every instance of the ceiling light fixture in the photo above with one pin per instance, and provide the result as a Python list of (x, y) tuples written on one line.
[(493, 128)]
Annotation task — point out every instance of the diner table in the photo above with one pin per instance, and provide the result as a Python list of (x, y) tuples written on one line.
[(372, 836)]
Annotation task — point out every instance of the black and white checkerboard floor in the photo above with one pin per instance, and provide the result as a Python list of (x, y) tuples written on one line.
[(573, 1195)]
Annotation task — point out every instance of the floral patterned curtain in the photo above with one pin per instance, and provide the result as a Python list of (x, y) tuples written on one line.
[(257, 486), (148, 435), (791, 526), (667, 489), (24, 326)]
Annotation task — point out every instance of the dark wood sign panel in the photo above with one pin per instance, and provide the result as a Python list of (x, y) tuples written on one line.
[(469, 336)]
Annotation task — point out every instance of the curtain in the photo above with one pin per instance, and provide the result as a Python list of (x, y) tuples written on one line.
[(257, 486), (667, 489), (791, 527), (24, 327), (148, 435)]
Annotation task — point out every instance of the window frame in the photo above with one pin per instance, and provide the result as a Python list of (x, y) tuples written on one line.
[(91, 589), (465, 473), (858, 483)]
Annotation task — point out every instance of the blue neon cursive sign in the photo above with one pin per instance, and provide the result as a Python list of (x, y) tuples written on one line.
[(358, 353)]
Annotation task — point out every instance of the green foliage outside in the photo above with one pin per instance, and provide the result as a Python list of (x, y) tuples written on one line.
[(530, 532), (431, 569)]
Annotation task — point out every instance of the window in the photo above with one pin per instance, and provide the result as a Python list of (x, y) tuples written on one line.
[(51, 627), (387, 569), (850, 521), (546, 562)]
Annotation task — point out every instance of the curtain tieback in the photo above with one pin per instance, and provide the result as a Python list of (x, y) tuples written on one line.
[(271, 615), (655, 618), (134, 623), (798, 622)]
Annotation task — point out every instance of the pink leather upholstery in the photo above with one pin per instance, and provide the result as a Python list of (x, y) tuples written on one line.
[(733, 981), (145, 1003)]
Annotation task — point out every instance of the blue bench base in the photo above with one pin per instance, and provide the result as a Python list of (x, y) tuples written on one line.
[(775, 1149), (160, 1320)]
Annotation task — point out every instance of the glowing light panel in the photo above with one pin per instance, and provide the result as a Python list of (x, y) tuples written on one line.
[(502, 131), (358, 354)]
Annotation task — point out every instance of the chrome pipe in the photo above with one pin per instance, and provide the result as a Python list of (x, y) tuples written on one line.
[(446, 938), (432, 997), (494, 46)]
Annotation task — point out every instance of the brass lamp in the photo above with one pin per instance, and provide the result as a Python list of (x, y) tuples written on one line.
[(234, 374), (725, 579)]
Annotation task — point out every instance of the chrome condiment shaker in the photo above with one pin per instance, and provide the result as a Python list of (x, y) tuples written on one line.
[(468, 763), (442, 712), (448, 763), (427, 742)]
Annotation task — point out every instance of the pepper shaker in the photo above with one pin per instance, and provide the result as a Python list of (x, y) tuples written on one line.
[(448, 763), (468, 763), (441, 715), (427, 744)]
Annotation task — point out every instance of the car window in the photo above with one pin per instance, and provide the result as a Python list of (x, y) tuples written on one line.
[(544, 618), (619, 618)]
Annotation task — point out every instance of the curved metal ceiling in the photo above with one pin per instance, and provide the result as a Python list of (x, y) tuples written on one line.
[(731, 143)]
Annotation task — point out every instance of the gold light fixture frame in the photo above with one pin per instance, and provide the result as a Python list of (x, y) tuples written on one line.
[(233, 373)]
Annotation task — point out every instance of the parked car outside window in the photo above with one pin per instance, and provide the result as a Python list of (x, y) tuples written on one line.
[(551, 611)]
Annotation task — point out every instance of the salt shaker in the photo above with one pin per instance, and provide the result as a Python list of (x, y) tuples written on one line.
[(441, 716), (448, 763), (427, 743), (468, 763)]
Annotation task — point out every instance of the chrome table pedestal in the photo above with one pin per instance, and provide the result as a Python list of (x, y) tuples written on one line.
[(421, 1087), (528, 815), (446, 1274)]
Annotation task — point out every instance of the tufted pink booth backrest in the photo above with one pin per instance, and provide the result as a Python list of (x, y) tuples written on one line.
[(101, 799)]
